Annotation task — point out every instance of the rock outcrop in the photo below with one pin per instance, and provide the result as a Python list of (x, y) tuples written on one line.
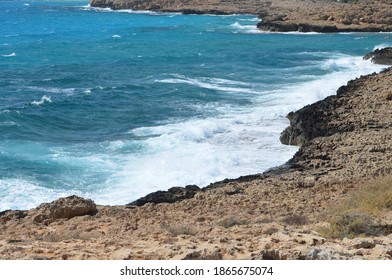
[(63, 208), (380, 56), (328, 17), (172, 195)]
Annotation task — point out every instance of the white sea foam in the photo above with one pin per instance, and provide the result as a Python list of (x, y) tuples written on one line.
[(128, 11), (256, 19), (382, 46), (44, 99), (241, 141), (210, 83), (250, 29), (22, 194), (52, 89), (9, 55), (199, 152)]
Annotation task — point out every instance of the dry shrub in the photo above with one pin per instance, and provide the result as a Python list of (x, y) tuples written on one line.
[(359, 213), (353, 225), (296, 219), (232, 221), (69, 235), (180, 230)]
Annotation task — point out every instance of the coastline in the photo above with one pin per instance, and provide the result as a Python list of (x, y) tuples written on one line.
[(283, 213), (324, 16), (345, 142)]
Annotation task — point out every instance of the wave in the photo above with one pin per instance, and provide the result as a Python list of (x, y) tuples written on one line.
[(23, 194), (211, 83), (9, 55), (240, 141), (382, 46), (256, 19), (248, 29), (128, 11), (52, 89), (8, 123), (44, 99)]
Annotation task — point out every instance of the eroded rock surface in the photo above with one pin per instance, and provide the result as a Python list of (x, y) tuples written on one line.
[(63, 208)]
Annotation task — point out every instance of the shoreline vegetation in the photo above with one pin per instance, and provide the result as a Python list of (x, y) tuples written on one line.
[(332, 200)]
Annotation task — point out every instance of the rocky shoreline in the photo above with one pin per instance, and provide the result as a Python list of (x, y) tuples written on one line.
[(323, 16), (346, 141)]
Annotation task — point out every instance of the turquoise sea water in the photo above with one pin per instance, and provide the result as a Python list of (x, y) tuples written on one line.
[(113, 105)]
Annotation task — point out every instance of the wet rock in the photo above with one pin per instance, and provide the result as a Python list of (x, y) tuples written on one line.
[(380, 56), (170, 196)]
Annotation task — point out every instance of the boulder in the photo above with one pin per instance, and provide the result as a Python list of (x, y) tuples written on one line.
[(63, 208)]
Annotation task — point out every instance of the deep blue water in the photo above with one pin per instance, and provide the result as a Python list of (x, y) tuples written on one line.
[(113, 105)]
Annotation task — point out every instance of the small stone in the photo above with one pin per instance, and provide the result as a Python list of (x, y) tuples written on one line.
[(364, 244)]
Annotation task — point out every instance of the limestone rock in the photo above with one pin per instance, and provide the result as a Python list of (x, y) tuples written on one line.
[(365, 243), (8, 215), (317, 254), (271, 254), (63, 208)]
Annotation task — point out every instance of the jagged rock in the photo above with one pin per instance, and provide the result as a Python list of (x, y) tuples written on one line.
[(271, 255), (63, 208), (170, 196), (8, 215), (199, 255), (380, 56), (317, 254)]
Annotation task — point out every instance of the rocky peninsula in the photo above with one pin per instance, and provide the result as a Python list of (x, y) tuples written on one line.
[(332, 200), (278, 15)]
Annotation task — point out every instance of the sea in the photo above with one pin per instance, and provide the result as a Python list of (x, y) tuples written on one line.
[(113, 105)]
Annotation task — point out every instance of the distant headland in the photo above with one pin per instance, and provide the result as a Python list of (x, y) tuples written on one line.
[(323, 16)]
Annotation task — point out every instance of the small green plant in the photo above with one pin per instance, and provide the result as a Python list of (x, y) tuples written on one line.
[(232, 221)]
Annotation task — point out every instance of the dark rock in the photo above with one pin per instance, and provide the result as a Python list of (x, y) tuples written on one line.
[(8, 215), (365, 244), (294, 27), (63, 208), (380, 56), (199, 255), (283, 26), (271, 255), (172, 195)]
